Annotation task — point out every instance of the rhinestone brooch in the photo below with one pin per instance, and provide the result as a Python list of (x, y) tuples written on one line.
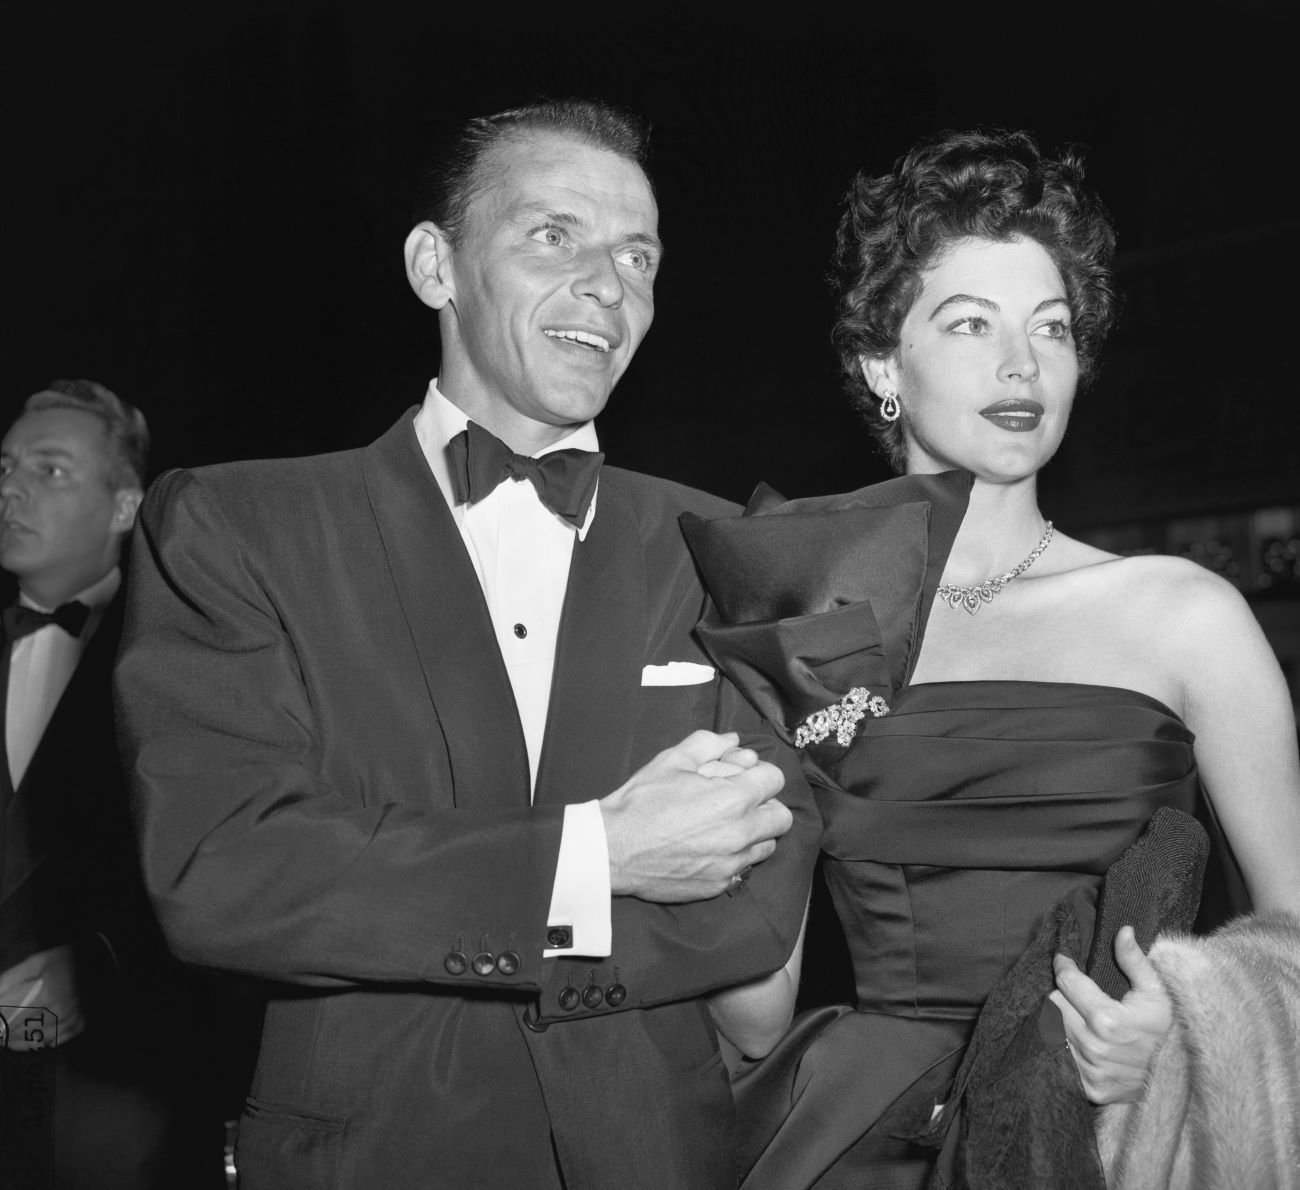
[(841, 718)]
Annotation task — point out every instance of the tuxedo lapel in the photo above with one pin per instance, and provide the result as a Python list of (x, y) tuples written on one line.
[(598, 658), (84, 705), (443, 605), (33, 811), (8, 593), (6, 784)]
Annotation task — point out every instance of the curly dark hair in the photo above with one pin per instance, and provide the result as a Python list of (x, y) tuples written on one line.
[(987, 184)]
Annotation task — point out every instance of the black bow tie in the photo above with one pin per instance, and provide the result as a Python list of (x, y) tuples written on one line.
[(20, 620), (565, 479)]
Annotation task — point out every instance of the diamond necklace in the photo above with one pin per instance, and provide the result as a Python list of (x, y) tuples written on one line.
[(973, 598)]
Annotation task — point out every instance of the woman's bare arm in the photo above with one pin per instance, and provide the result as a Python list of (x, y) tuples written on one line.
[(753, 1017)]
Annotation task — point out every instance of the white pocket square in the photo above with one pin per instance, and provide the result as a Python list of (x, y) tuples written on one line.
[(677, 673)]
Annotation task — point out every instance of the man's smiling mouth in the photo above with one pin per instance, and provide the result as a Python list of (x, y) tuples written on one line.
[(582, 338)]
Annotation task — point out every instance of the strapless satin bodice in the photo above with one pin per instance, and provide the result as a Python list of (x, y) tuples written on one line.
[(960, 819), (972, 808)]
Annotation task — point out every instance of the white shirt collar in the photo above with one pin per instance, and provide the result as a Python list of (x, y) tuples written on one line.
[(439, 421)]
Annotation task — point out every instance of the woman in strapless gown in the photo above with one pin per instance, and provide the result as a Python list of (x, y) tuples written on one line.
[(993, 713)]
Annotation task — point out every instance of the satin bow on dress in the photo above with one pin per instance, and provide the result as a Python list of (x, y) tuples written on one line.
[(811, 598)]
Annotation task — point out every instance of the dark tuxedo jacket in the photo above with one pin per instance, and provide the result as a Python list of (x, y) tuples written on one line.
[(67, 868), (129, 1095), (332, 793)]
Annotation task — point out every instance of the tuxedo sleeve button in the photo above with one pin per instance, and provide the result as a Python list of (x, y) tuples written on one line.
[(533, 1018), (569, 998), (615, 994), (592, 996), (485, 963), (455, 963), (507, 962)]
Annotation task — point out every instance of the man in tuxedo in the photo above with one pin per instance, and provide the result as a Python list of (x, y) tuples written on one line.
[(421, 733), (74, 921)]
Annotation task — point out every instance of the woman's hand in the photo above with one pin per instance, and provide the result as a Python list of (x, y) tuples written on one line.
[(1113, 1041)]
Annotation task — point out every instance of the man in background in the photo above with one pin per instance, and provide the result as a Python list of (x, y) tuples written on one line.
[(84, 979)]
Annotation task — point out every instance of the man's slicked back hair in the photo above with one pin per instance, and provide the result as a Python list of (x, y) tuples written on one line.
[(458, 172)]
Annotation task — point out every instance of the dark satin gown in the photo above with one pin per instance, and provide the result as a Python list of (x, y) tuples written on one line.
[(962, 817), (954, 824)]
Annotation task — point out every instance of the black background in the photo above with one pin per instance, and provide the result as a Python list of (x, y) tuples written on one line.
[(207, 204)]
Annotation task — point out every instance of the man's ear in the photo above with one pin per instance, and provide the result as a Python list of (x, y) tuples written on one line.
[(879, 373), (428, 265), (126, 501)]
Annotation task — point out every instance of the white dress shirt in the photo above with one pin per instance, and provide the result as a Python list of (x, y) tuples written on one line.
[(521, 553), (40, 666)]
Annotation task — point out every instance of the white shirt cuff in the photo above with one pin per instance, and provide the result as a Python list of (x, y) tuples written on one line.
[(580, 897)]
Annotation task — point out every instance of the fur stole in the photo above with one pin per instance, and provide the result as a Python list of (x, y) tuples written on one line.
[(1222, 1105)]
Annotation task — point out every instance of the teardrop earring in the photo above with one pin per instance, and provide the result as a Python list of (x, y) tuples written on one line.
[(889, 406)]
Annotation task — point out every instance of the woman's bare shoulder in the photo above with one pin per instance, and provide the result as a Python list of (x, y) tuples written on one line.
[(1169, 575), (1161, 596), (1159, 575), (1175, 598)]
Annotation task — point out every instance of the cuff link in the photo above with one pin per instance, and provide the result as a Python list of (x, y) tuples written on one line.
[(559, 937)]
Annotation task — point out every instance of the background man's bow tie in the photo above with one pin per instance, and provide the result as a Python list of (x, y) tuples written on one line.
[(565, 479), (20, 620)]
